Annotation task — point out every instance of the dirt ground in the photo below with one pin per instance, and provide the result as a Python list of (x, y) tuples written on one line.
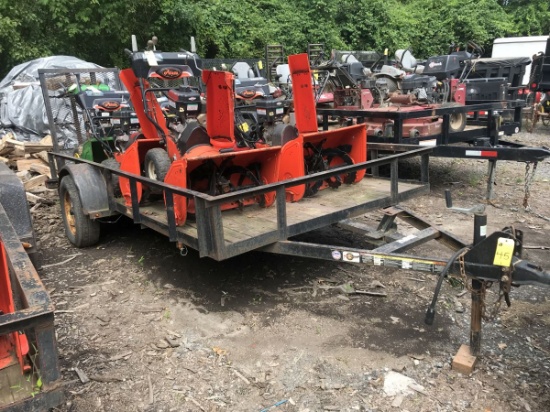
[(156, 331)]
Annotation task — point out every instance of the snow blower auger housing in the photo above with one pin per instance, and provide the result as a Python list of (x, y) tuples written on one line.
[(177, 149), (324, 150)]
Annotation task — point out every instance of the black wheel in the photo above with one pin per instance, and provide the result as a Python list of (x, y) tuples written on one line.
[(80, 229), (112, 163), (157, 163), (457, 122)]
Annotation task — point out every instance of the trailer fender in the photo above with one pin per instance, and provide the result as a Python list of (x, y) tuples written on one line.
[(91, 187)]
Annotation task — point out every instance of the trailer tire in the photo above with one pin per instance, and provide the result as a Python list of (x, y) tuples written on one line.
[(79, 228), (156, 164), (114, 164), (457, 122)]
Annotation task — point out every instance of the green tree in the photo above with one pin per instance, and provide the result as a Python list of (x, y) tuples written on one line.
[(24, 33), (99, 30), (530, 17)]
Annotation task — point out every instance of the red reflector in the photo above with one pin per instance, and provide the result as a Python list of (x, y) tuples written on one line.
[(489, 153)]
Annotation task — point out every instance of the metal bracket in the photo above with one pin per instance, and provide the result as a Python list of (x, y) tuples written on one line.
[(474, 209)]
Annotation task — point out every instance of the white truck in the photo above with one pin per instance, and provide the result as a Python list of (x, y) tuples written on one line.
[(519, 47)]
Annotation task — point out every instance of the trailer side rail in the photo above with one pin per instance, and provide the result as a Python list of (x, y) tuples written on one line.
[(208, 234), (36, 316)]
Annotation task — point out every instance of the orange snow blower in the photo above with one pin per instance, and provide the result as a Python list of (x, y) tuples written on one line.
[(219, 159), (326, 149)]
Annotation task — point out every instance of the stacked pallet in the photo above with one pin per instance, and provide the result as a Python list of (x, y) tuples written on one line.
[(30, 161)]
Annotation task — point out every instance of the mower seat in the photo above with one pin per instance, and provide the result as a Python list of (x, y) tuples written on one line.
[(408, 61), (242, 70), (283, 73)]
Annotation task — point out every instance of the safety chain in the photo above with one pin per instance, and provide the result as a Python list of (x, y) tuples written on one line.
[(505, 286), (529, 177)]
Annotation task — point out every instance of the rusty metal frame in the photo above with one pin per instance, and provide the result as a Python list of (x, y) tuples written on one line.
[(36, 317)]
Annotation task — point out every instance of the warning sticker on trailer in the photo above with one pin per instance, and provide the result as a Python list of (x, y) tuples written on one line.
[(431, 142), (481, 153), (351, 257), (336, 255)]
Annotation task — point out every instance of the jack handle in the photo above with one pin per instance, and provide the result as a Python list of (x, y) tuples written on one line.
[(474, 209)]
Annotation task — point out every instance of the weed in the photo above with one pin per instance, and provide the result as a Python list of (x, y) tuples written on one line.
[(474, 180)]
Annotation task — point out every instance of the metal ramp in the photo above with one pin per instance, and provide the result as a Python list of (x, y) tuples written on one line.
[(274, 55), (316, 53)]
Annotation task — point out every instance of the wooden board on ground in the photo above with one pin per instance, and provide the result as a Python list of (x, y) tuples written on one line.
[(9, 144), (40, 168), (35, 182), (25, 164), (14, 386), (43, 155)]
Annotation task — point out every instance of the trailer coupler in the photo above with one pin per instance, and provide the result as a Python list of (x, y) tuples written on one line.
[(497, 258)]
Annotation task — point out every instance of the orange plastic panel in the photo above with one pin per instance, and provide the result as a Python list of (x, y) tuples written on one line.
[(292, 166), (303, 95), (220, 104)]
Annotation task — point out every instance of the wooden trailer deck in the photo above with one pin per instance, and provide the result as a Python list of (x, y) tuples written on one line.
[(233, 232)]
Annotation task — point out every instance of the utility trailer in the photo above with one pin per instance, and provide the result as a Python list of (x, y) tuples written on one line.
[(29, 368), (222, 235), (88, 196)]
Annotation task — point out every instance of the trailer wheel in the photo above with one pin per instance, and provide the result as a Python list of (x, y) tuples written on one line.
[(80, 229), (113, 163), (457, 122), (157, 163)]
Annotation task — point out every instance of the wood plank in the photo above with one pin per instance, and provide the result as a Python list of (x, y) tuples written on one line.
[(250, 227), (35, 182), (42, 155), (21, 385), (34, 199), (25, 164), (41, 168), (6, 395), (46, 140)]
